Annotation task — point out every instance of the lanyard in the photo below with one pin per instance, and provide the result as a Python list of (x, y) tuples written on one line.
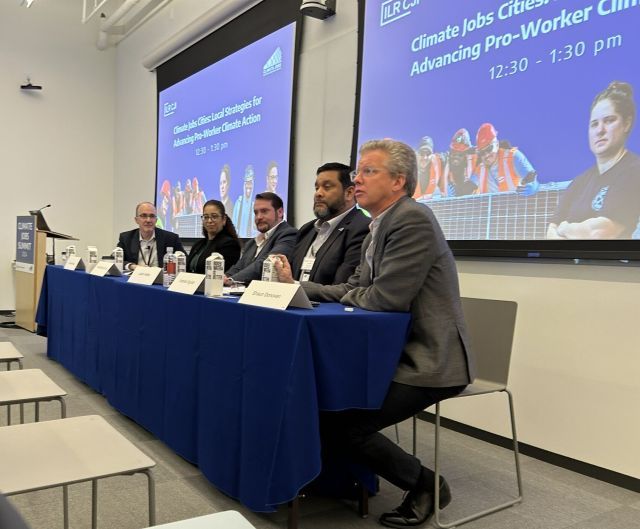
[(147, 260)]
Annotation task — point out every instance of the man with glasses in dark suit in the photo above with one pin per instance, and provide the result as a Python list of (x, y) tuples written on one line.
[(146, 245)]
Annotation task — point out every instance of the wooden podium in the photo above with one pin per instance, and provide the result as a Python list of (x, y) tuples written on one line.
[(29, 274)]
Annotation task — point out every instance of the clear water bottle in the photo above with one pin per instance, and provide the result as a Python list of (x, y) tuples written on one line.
[(181, 262), (168, 268), (71, 250), (118, 256), (92, 258)]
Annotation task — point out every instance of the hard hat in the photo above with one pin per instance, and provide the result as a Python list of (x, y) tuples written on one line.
[(461, 141), (486, 134), (166, 188), (426, 143)]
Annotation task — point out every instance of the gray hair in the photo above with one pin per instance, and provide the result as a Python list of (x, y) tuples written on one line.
[(402, 160)]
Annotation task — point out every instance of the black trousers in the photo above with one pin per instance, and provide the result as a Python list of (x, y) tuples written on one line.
[(356, 433)]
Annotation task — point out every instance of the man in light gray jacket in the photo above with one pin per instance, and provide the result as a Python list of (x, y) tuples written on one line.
[(406, 265)]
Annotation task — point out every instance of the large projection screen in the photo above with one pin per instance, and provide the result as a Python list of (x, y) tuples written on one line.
[(225, 133), (517, 153)]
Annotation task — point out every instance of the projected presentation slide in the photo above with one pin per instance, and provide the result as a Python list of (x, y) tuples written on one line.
[(522, 112), (224, 133)]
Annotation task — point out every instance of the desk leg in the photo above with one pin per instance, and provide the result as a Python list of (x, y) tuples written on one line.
[(37, 418), (363, 502), (94, 503), (65, 506), (152, 497), (20, 366), (9, 415), (294, 513), (63, 408)]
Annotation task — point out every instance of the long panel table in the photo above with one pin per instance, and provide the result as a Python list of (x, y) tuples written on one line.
[(232, 388)]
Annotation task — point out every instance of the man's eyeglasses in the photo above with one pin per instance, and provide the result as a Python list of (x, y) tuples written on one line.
[(148, 216), (366, 172), (213, 216)]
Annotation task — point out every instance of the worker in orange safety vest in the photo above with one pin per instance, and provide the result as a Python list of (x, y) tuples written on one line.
[(429, 171), (500, 167)]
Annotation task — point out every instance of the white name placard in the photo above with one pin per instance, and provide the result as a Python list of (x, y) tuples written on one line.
[(188, 283), (275, 295), (74, 262), (105, 268), (146, 275)]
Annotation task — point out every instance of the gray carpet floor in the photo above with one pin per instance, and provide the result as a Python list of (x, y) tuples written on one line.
[(479, 473)]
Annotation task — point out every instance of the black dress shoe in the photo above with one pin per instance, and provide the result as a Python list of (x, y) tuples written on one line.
[(416, 508)]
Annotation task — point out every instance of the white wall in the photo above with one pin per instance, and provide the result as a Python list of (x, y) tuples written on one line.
[(57, 144), (575, 369)]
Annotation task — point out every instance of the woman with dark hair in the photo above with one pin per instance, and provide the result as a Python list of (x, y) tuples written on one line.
[(219, 236), (604, 201)]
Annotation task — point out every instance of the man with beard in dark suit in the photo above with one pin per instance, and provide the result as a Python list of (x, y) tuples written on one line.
[(328, 249)]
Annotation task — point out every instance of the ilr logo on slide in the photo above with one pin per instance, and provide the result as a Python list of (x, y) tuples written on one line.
[(392, 10), (169, 108)]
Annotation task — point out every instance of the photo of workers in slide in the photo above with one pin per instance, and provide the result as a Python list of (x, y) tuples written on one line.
[(177, 205), (491, 166)]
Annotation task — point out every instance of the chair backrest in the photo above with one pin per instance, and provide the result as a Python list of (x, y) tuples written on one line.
[(491, 325)]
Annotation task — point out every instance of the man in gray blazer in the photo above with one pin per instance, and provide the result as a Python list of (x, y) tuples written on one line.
[(275, 236), (406, 265)]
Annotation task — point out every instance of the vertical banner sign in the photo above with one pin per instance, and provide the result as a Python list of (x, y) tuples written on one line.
[(25, 242)]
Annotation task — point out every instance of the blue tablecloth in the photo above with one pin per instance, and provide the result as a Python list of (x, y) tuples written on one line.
[(232, 388)]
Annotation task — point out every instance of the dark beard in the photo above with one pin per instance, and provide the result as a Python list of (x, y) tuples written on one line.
[(328, 213)]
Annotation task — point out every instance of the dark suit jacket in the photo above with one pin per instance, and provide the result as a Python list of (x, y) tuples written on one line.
[(339, 256), (249, 266), (129, 241), (223, 243), (413, 270)]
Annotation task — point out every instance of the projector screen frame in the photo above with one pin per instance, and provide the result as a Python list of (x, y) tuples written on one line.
[(606, 250)]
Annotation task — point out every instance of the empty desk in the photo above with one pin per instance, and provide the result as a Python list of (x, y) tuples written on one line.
[(9, 354), (219, 520), (29, 385), (66, 451)]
